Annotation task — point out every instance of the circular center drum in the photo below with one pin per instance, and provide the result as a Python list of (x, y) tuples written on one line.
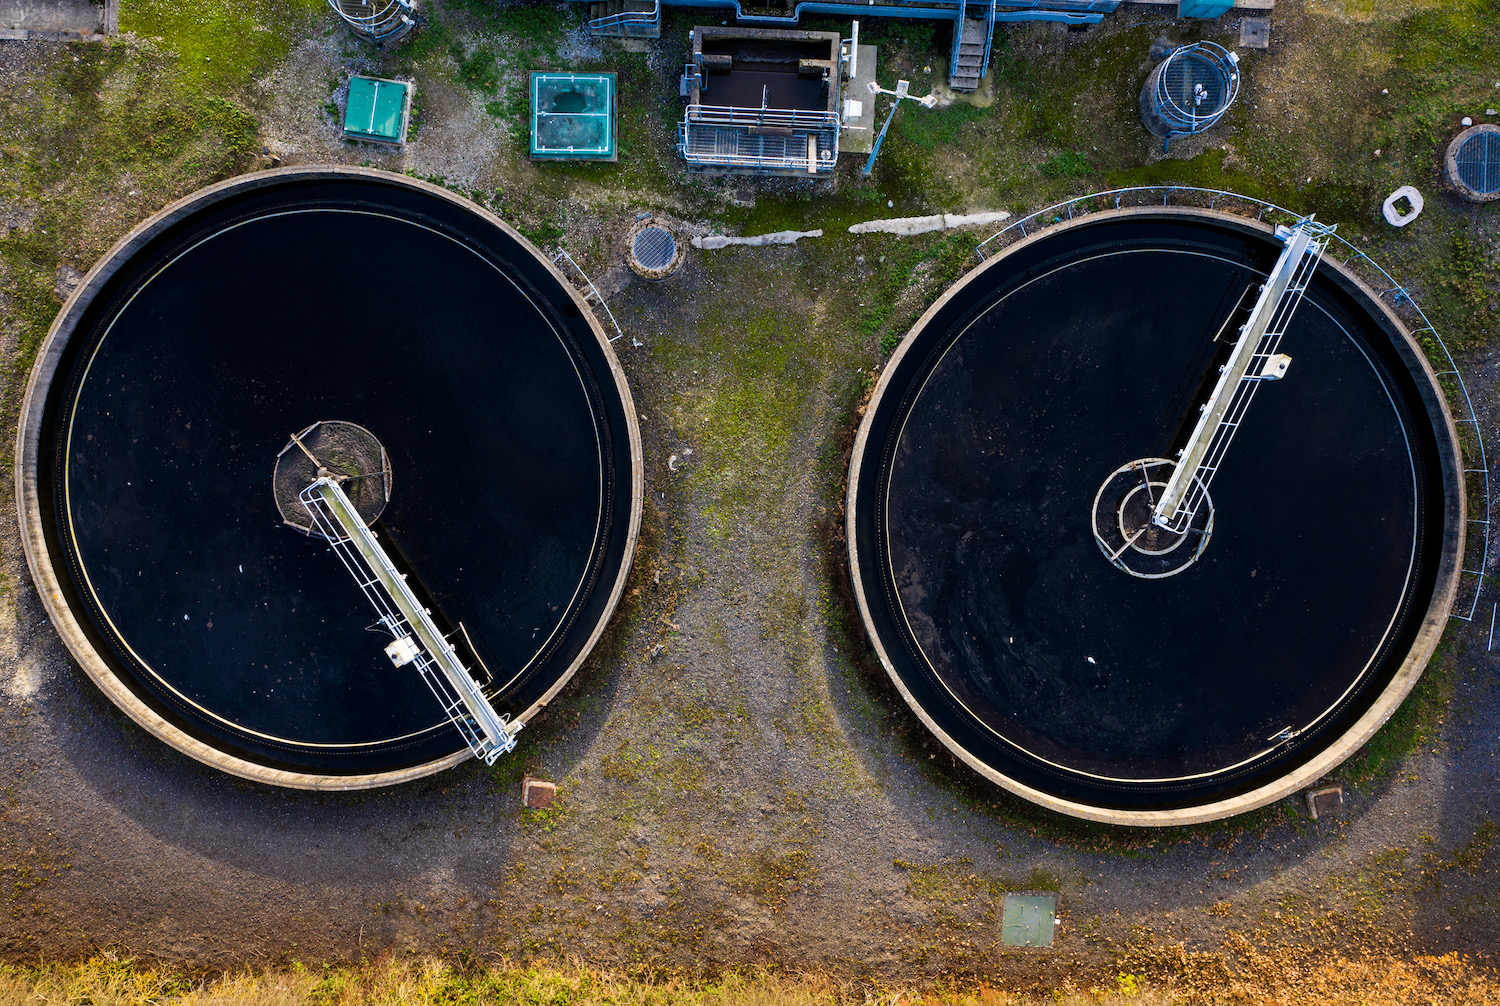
[(995, 484), (500, 434)]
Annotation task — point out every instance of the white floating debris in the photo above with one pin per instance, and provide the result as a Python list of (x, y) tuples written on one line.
[(1091, 660)]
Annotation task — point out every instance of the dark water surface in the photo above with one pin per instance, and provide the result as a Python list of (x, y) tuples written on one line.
[(354, 301), (1014, 631)]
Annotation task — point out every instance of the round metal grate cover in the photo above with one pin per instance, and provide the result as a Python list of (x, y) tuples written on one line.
[(1478, 162), (654, 248), (1195, 84)]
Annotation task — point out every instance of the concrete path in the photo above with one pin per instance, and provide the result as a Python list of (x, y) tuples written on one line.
[(57, 19)]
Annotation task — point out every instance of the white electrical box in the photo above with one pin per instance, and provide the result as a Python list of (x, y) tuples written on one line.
[(402, 651)]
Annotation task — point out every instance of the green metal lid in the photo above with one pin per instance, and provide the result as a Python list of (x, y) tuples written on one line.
[(1028, 920), (377, 109)]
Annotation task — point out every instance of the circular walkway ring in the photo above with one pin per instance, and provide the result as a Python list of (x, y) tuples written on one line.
[(39, 558)]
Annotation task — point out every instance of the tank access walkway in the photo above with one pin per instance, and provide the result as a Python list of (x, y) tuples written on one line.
[(1254, 359), (418, 641)]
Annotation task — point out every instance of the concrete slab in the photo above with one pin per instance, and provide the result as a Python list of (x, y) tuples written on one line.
[(1028, 920), (858, 135), (62, 20), (1255, 33)]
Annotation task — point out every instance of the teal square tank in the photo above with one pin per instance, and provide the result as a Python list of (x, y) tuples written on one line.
[(573, 116)]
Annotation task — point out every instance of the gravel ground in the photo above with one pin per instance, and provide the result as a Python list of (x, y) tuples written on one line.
[(738, 782)]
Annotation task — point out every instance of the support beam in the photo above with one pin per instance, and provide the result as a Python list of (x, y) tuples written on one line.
[(418, 640)]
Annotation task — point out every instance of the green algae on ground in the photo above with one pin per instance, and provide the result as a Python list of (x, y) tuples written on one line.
[(224, 45)]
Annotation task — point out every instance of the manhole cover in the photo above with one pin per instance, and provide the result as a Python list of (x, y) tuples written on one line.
[(655, 252), (1028, 920), (654, 248), (1474, 162)]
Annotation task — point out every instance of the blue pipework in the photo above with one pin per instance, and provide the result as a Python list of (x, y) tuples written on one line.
[(1090, 13)]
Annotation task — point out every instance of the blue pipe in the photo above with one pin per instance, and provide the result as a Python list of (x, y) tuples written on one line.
[(875, 150)]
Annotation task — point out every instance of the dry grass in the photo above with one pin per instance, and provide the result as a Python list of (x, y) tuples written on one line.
[(1259, 978)]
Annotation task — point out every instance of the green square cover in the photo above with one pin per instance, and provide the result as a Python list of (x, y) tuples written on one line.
[(375, 108), (1027, 921), (573, 116)]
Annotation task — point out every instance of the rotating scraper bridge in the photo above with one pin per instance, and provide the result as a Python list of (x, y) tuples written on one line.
[(1477, 534)]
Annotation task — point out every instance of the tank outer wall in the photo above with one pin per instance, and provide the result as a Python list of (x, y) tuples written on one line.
[(1426, 639), (28, 503), (1154, 123)]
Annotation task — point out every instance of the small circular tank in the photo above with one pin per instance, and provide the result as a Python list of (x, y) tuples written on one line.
[(1190, 90)]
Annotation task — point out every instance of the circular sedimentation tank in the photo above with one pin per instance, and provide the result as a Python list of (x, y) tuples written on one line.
[(996, 479), (1472, 164), (384, 334)]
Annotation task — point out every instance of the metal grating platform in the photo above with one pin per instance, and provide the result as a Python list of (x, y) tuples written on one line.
[(1478, 162), (707, 145), (654, 248)]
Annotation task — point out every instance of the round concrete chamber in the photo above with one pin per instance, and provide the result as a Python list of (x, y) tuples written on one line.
[(371, 330), (1035, 619)]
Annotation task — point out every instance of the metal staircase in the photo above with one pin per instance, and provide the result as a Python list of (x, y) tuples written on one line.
[(377, 21), (971, 45)]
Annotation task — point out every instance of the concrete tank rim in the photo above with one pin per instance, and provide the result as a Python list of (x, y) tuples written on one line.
[(28, 504), (1429, 634)]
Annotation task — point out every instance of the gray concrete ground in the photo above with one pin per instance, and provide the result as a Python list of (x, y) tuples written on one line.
[(43, 18)]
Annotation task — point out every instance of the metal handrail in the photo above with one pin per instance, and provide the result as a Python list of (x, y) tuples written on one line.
[(958, 36), (649, 18), (989, 38), (730, 115), (592, 292), (371, 23), (798, 162), (1185, 121), (1399, 297), (416, 639), (1058, 11)]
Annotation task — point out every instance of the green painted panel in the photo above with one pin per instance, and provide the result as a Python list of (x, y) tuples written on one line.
[(1028, 920), (376, 109), (1204, 8)]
